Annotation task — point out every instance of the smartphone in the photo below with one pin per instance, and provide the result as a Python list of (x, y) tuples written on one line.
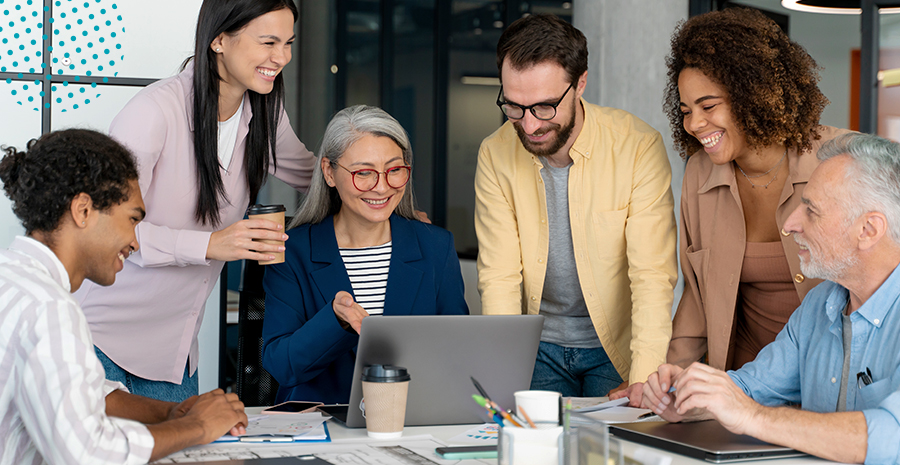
[(467, 452), (293, 406)]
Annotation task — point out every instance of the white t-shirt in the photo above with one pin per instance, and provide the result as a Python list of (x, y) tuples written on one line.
[(228, 136)]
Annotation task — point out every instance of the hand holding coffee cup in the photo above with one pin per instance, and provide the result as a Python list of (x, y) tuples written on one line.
[(384, 394), (259, 238), (274, 213)]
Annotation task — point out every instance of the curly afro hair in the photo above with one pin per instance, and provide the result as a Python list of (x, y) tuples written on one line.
[(60, 165), (771, 81)]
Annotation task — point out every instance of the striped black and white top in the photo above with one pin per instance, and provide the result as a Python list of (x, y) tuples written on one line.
[(368, 270)]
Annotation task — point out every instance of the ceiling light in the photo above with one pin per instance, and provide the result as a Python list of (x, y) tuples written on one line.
[(834, 7)]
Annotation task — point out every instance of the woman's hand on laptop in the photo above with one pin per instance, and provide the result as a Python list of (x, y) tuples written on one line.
[(348, 312)]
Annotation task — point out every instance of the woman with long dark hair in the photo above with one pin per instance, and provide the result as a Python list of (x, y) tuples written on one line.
[(205, 141)]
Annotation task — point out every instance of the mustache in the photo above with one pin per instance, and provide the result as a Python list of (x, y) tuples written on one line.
[(541, 131)]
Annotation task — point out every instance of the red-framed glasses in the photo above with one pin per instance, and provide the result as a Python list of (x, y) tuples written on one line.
[(365, 180)]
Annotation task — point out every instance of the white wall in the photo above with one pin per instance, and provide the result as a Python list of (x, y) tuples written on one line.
[(153, 43)]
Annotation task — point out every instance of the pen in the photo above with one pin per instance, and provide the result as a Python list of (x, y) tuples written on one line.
[(646, 415), (864, 379), (480, 389), (504, 414), (273, 438)]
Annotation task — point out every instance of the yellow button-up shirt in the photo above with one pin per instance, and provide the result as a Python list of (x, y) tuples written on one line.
[(623, 232)]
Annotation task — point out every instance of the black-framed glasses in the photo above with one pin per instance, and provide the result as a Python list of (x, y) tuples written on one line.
[(542, 111), (366, 179)]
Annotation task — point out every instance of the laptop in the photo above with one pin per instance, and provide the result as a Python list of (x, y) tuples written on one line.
[(441, 352), (704, 440)]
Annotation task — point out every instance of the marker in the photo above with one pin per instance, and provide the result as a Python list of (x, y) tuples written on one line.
[(481, 401)]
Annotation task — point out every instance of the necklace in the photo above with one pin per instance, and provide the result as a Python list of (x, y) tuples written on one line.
[(766, 185)]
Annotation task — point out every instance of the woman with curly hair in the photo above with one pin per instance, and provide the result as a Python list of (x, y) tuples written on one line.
[(744, 106)]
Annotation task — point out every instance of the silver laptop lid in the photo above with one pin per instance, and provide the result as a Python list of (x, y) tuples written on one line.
[(441, 352), (705, 440)]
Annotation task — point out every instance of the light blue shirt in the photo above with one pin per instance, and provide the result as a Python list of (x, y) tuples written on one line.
[(804, 363)]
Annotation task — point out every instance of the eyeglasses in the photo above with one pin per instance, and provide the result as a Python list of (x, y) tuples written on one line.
[(366, 179), (542, 111)]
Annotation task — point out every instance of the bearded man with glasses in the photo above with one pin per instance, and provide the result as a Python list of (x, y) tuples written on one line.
[(575, 219)]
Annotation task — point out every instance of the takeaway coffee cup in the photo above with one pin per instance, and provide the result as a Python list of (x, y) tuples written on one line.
[(272, 213), (384, 393)]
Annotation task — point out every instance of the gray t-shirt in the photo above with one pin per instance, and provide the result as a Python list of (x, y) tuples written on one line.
[(847, 335), (566, 319)]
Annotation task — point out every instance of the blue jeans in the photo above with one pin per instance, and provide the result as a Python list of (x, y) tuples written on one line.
[(161, 390), (574, 372)]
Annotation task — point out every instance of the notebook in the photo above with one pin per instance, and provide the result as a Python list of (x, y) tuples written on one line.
[(704, 440), (441, 353)]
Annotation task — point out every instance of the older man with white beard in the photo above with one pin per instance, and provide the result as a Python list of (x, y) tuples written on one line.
[(839, 355)]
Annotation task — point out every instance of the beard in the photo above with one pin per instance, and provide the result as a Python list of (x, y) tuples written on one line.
[(550, 147), (832, 270)]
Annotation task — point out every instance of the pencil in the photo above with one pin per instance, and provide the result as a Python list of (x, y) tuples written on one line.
[(527, 418)]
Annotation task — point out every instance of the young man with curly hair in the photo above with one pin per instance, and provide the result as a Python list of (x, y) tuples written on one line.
[(76, 193), (574, 216)]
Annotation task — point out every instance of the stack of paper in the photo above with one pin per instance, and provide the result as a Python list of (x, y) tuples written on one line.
[(287, 427)]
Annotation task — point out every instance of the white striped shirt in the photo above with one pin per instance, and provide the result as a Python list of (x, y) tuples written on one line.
[(52, 386), (368, 270)]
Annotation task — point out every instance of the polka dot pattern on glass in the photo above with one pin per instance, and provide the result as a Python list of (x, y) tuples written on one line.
[(83, 38)]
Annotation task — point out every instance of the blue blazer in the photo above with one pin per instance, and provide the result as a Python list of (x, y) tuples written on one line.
[(304, 346)]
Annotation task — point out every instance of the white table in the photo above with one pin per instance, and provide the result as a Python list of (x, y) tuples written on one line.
[(445, 433), (341, 434)]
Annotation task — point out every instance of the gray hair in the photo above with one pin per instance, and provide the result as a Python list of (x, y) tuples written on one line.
[(872, 180), (346, 128)]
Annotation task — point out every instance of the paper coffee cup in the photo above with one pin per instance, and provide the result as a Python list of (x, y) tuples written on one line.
[(541, 406), (272, 213), (384, 393)]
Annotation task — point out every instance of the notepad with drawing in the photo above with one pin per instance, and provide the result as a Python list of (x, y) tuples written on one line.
[(294, 427)]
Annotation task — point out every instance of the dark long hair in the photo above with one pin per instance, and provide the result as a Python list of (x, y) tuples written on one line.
[(217, 17)]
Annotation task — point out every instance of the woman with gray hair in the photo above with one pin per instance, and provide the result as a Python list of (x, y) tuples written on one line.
[(340, 264)]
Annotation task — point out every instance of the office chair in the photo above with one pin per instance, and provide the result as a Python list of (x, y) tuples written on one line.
[(255, 386)]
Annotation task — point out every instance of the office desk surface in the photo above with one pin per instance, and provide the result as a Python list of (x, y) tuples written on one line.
[(444, 433)]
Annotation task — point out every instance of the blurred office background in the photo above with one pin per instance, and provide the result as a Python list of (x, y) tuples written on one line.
[(430, 63)]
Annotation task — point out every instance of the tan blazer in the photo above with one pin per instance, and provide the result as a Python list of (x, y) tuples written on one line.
[(713, 239)]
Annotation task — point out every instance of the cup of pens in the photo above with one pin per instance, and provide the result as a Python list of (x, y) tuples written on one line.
[(523, 441)]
